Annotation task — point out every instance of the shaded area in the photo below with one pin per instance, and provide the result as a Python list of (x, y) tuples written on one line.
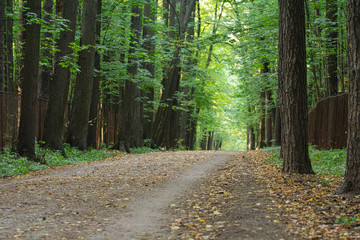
[(328, 122)]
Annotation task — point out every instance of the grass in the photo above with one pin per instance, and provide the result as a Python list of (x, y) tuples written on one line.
[(327, 162), (11, 164), (143, 150)]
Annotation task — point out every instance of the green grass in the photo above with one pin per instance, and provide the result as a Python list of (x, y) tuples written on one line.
[(11, 164), (330, 162), (143, 150)]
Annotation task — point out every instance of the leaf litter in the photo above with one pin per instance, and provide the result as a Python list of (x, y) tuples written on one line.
[(247, 198)]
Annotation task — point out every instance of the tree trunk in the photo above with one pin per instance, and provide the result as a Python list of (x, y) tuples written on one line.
[(352, 174), (277, 127), (250, 138), (149, 66), (164, 124), (203, 142), (78, 127), (332, 39), (59, 87), (261, 133), (268, 118), (131, 122), (210, 144), (46, 71), (166, 12), (20, 54), (2, 45), (9, 67), (292, 87), (192, 124), (95, 96), (26, 140)]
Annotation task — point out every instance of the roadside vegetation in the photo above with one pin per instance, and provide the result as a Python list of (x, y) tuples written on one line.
[(324, 162), (12, 164)]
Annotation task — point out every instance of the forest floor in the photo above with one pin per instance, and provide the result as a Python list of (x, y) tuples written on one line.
[(175, 195)]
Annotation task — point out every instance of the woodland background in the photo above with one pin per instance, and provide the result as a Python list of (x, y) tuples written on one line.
[(176, 74)]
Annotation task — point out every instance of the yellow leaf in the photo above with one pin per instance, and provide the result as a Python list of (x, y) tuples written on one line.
[(216, 213), (276, 221), (201, 220), (124, 207)]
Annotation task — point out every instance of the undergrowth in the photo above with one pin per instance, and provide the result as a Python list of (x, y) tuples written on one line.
[(11, 164), (327, 162), (143, 150)]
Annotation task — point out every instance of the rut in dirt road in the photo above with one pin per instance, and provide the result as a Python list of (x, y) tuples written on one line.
[(122, 198), (146, 216)]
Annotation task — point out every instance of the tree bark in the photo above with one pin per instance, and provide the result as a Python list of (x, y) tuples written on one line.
[(131, 119), (352, 174), (261, 132), (9, 35), (166, 117), (332, 39), (78, 127), (20, 61), (250, 138), (268, 118), (95, 96), (292, 87), (46, 71), (149, 66), (210, 144), (59, 87), (203, 142), (277, 127), (26, 139), (2, 45)]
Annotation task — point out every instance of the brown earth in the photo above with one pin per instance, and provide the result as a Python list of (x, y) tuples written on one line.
[(168, 195)]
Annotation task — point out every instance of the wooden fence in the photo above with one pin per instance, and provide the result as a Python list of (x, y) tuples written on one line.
[(10, 120), (328, 122)]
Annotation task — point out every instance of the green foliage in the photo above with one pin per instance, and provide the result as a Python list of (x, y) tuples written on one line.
[(143, 150), (348, 220), (11, 164), (327, 162)]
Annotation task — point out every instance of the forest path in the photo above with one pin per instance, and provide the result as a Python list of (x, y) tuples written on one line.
[(169, 195)]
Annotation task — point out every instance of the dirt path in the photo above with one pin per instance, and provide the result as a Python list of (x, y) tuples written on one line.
[(150, 196)]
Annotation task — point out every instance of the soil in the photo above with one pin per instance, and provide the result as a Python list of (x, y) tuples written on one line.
[(167, 195)]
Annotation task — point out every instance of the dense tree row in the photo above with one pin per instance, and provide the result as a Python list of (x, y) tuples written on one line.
[(140, 59)]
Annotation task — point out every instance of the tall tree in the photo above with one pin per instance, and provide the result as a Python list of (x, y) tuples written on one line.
[(292, 87), (2, 45), (261, 130), (131, 131), (149, 65), (95, 96), (21, 37), (9, 35), (332, 53), (46, 70), (352, 175), (166, 122), (26, 140), (59, 87), (277, 127), (78, 127)]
